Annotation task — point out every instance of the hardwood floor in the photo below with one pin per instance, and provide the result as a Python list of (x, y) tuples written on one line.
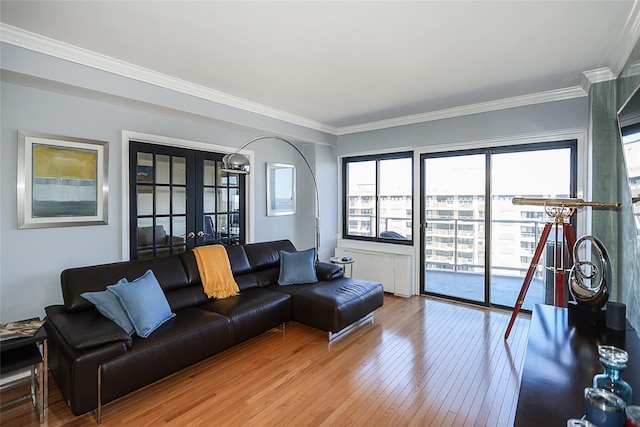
[(423, 362)]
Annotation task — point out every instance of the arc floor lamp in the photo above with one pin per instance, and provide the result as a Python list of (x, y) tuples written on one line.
[(239, 163)]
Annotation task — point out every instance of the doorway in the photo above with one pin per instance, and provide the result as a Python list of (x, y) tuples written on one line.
[(180, 198), (476, 245)]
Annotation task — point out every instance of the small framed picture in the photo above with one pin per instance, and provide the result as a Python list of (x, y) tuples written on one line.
[(281, 189), (62, 181)]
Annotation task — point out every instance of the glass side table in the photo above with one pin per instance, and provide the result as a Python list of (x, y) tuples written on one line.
[(28, 352), (344, 262)]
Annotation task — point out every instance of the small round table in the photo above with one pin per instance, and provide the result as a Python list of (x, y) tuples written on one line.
[(344, 261)]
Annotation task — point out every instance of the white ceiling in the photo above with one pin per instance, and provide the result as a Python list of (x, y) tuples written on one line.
[(348, 63)]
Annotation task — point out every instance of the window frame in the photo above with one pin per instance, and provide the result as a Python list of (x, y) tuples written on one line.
[(345, 196)]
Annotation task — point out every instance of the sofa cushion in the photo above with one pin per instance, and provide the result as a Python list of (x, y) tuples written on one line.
[(109, 306), (239, 267), (265, 255), (144, 303), (297, 267), (168, 270), (326, 271), (85, 330), (192, 335), (252, 312), (335, 304), (238, 259), (190, 296)]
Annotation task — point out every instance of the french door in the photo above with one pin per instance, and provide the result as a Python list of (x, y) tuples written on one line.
[(476, 245), (179, 199)]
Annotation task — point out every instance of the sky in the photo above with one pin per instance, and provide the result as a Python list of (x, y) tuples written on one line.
[(523, 173)]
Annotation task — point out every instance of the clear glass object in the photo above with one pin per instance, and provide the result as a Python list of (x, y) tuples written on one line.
[(614, 361), (574, 422)]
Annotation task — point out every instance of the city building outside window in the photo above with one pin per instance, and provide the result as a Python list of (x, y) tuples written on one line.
[(378, 190)]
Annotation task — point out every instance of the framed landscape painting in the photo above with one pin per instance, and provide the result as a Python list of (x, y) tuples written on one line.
[(62, 181), (281, 189)]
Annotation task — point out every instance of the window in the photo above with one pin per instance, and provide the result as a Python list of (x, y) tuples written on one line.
[(378, 197), (534, 215)]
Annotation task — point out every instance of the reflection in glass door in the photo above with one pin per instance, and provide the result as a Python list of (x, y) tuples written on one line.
[(221, 203), (515, 230), (453, 226), (160, 205)]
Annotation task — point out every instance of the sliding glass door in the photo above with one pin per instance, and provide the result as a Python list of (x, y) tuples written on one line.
[(453, 224), (476, 244), (515, 230)]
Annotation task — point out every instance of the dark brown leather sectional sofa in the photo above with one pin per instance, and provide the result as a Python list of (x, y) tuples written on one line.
[(86, 349)]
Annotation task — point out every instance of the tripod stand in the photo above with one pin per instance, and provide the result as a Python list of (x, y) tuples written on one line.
[(560, 264), (559, 210)]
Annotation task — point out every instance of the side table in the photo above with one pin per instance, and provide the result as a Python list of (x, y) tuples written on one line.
[(344, 261), (19, 353)]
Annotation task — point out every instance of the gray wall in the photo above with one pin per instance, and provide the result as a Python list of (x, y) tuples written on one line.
[(514, 122), (44, 94)]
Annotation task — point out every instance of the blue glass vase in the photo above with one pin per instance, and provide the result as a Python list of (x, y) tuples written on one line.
[(614, 361)]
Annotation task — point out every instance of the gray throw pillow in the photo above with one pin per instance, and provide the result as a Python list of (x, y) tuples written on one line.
[(297, 268)]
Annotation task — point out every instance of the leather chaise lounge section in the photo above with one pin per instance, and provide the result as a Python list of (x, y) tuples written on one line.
[(81, 341)]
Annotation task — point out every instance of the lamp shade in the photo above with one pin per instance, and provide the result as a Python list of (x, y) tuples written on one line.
[(236, 163), (239, 163)]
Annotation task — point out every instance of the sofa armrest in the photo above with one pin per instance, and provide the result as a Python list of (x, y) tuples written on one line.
[(326, 271), (85, 329)]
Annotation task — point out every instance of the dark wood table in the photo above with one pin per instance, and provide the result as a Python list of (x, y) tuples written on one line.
[(561, 360)]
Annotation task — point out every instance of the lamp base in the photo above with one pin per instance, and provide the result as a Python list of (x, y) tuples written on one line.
[(595, 317)]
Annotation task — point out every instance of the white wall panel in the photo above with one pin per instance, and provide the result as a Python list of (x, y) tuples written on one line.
[(394, 271)]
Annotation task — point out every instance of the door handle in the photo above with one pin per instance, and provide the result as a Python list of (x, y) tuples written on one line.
[(200, 233), (191, 235)]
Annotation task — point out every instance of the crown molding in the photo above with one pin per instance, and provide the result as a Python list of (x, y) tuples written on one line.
[(35, 42), (633, 70), (596, 76), (483, 107), (628, 39)]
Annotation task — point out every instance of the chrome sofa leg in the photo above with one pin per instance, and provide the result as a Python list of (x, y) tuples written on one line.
[(335, 335), (99, 408)]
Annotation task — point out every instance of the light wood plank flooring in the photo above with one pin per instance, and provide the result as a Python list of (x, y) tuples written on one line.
[(423, 362)]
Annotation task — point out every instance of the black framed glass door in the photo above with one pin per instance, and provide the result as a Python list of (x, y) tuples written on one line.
[(179, 199)]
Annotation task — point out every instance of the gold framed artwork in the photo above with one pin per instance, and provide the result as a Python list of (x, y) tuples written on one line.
[(62, 181)]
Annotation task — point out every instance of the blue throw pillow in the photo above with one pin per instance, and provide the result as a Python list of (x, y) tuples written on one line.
[(144, 302), (109, 306), (297, 268)]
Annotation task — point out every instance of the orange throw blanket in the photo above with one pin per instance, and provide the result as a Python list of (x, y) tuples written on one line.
[(215, 271)]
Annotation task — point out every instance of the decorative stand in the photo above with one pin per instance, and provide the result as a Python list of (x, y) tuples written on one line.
[(560, 210)]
